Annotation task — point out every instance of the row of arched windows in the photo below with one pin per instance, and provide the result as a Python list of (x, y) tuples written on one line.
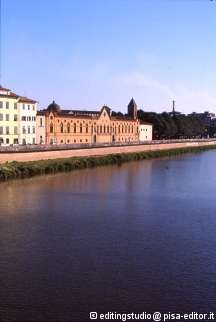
[(100, 129)]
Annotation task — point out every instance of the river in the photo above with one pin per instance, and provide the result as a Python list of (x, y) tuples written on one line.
[(139, 237)]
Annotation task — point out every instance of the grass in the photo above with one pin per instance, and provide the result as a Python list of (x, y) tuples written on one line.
[(18, 170)]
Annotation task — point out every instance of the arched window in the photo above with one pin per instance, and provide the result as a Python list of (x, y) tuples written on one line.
[(80, 127), (100, 128), (51, 128), (107, 128), (86, 128), (62, 128), (68, 127), (122, 129), (104, 128), (74, 127)]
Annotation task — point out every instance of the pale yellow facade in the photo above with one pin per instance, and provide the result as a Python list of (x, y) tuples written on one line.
[(8, 119), (12, 118)]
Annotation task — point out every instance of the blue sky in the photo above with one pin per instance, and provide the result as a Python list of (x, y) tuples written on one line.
[(86, 53)]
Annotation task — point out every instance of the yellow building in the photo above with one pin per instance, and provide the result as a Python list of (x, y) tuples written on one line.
[(11, 117)]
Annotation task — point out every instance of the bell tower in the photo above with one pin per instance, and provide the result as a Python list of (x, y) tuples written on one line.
[(132, 109)]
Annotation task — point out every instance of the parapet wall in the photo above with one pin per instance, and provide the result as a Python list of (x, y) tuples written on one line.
[(100, 150)]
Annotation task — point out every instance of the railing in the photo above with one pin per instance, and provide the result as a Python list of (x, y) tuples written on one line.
[(55, 147)]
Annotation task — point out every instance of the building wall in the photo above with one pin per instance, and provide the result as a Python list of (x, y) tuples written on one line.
[(66, 129), (40, 129), (27, 122), (145, 132), (8, 120)]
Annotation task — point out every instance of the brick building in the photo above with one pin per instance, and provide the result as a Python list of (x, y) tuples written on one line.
[(87, 127)]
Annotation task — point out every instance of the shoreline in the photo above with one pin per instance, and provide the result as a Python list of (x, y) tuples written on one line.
[(28, 169)]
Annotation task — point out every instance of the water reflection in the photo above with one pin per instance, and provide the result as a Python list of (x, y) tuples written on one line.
[(136, 237)]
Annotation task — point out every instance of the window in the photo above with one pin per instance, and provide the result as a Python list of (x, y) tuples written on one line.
[(7, 117), (29, 107), (75, 129), (7, 130), (1, 104), (1, 117), (7, 141), (15, 106), (1, 130), (62, 128), (86, 128), (33, 141), (7, 105), (100, 128), (23, 141), (33, 107), (23, 106), (41, 121), (33, 130), (51, 128), (15, 130), (15, 117), (80, 127), (68, 127), (29, 131), (23, 118), (16, 141), (104, 128), (1, 141), (24, 130)]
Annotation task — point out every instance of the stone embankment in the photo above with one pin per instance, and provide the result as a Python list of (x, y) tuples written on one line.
[(101, 150)]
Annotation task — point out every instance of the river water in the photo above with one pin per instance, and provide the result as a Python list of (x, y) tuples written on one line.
[(136, 238)]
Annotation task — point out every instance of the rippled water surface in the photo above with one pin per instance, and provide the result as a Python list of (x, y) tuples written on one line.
[(131, 238)]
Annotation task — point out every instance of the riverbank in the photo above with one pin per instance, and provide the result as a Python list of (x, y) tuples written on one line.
[(18, 170)]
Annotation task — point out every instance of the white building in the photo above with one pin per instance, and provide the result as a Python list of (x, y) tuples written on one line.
[(145, 131), (27, 120), (40, 128)]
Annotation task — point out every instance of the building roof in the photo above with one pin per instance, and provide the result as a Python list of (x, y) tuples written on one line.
[(9, 93), (145, 123), (53, 107), (132, 103), (23, 99)]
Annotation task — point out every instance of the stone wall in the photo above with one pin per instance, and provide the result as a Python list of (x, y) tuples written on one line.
[(8, 156)]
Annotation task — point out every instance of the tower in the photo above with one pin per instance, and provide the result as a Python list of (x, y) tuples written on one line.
[(173, 107), (132, 109)]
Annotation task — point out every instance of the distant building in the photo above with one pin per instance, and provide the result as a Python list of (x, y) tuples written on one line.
[(40, 128), (84, 127), (16, 113), (145, 131)]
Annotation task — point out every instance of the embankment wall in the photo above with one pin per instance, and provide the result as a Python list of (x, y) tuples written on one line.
[(98, 151)]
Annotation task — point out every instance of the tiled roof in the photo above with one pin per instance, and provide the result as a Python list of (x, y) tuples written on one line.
[(23, 99), (145, 123)]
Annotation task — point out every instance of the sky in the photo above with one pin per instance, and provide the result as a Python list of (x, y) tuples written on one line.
[(87, 53)]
